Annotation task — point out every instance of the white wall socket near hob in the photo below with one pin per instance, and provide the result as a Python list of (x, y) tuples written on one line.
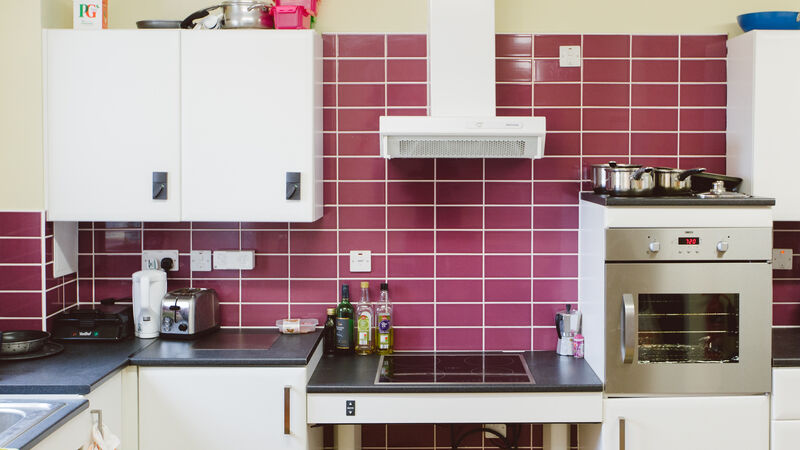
[(361, 261), (151, 259)]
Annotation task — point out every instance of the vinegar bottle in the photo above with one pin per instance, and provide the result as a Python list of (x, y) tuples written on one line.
[(365, 323), (385, 331)]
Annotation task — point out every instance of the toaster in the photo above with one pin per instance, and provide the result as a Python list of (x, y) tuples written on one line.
[(189, 312)]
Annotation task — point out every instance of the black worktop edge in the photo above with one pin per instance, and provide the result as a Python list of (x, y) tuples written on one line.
[(606, 200), (211, 362), (461, 388)]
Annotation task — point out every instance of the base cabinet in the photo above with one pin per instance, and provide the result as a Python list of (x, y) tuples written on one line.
[(224, 407), (686, 423)]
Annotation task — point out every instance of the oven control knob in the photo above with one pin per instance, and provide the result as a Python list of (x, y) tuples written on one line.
[(654, 246), (722, 246)]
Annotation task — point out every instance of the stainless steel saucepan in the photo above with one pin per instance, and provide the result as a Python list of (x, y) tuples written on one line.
[(237, 14), (622, 180), (671, 181), (601, 173)]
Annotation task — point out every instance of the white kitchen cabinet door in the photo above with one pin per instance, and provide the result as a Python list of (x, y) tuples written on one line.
[(763, 114), (76, 434), (112, 119), (685, 423), (216, 408), (251, 114)]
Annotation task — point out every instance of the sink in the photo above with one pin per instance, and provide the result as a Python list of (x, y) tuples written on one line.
[(17, 417)]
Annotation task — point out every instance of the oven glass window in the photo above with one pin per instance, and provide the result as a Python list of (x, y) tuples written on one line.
[(688, 328)]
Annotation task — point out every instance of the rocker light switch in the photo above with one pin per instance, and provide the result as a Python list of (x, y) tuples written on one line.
[(292, 185), (159, 185), (781, 259)]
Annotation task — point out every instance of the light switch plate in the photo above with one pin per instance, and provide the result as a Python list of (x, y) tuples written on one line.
[(201, 261), (360, 261), (569, 55), (151, 259), (234, 259), (781, 259)]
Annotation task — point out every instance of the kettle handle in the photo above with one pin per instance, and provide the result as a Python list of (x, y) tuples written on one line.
[(559, 319)]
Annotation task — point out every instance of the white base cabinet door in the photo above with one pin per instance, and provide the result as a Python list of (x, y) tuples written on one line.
[(73, 435), (251, 120), (224, 408), (685, 423), (112, 120), (785, 434)]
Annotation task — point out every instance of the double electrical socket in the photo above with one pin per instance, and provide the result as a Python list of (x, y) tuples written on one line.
[(151, 259), (201, 259)]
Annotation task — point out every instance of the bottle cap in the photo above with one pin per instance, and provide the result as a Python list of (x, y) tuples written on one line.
[(331, 311), (384, 286), (346, 290), (364, 284)]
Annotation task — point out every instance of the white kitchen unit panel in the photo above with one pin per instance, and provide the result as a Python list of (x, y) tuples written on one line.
[(251, 117), (75, 434), (785, 435), (111, 119), (763, 113), (686, 423), (786, 393), (224, 408), (501, 407), (108, 398)]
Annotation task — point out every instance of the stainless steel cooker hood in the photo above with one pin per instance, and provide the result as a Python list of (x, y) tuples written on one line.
[(461, 74)]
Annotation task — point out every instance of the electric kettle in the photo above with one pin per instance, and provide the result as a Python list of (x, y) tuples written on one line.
[(149, 288)]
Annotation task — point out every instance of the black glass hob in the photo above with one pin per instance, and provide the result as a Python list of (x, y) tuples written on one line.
[(452, 368)]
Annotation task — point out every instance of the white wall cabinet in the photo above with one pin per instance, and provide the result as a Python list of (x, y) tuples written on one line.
[(229, 116), (112, 118), (763, 113), (687, 423), (224, 407), (251, 113)]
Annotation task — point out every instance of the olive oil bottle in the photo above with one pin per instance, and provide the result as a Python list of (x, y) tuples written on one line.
[(384, 332), (365, 323), (344, 323)]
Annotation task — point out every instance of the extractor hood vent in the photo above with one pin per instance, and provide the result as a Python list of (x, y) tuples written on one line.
[(461, 137), (461, 73)]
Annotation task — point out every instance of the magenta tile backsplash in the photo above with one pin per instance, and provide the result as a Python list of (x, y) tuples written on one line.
[(29, 294)]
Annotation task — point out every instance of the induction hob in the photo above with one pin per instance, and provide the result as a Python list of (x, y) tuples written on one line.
[(452, 368)]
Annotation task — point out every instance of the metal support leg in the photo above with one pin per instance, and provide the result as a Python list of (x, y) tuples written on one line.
[(347, 437), (556, 436)]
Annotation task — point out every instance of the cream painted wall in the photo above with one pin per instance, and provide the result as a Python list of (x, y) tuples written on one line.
[(21, 166)]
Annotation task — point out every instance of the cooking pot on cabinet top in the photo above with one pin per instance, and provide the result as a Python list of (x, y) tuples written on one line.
[(237, 14), (601, 173), (622, 180)]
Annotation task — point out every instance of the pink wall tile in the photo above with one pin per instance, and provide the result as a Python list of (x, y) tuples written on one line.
[(655, 70), (268, 266), (507, 45), (20, 224), (555, 193), (704, 46), (605, 143), (362, 240), (450, 315), (508, 290), (703, 119), (407, 95), (703, 71), (459, 290), (413, 315), (654, 95), (410, 266), (361, 168), (411, 290), (555, 95), (507, 193), (407, 45), (359, 119), (508, 217), (215, 240), (511, 70), (514, 94), (508, 339), (605, 95), (410, 169), (20, 251), (507, 241), (263, 315), (655, 46), (555, 217), (20, 304), (605, 119), (358, 144), (544, 338), (555, 266), (459, 241), (512, 314), (560, 119), (411, 339), (229, 315), (118, 241), (315, 291), (410, 217), (555, 290), (504, 266), (328, 45), (704, 95), (461, 193), (654, 119), (713, 164), (406, 70), (459, 338), (562, 144), (595, 70), (361, 45), (265, 241), (654, 144), (555, 241), (265, 291), (361, 193), (551, 70), (606, 46), (410, 193), (459, 266), (165, 239), (361, 95), (508, 169), (312, 266), (361, 70), (547, 45), (411, 241), (362, 217)]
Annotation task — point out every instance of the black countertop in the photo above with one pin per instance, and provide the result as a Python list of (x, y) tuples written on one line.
[(36, 434), (233, 347), (786, 347), (551, 373), (77, 370), (606, 200)]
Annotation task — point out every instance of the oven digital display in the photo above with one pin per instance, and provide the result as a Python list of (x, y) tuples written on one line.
[(688, 241)]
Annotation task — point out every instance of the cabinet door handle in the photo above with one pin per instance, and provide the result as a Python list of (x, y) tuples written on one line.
[(621, 433), (627, 317), (287, 391)]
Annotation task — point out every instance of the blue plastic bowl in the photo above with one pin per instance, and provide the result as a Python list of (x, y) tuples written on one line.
[(770, 20)]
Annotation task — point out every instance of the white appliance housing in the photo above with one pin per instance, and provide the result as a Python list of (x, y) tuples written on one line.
[(149, 288), (461, 74)]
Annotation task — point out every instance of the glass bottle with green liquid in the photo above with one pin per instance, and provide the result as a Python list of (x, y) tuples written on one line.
[(344, 323), (384, 332)]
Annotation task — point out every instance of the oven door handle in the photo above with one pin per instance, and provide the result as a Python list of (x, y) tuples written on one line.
[(627, 317)]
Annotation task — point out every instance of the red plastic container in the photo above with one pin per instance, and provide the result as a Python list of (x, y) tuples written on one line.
[(291, 17), (309, 5)]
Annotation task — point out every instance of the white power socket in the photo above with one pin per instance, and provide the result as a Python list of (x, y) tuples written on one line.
[(234, 259), (361, 261), (569, 56), (200, 261), (498, 427), (151, 259)]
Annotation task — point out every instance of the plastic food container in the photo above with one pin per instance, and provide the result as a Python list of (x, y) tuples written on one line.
[(296, 326), (291, 17), (309, 5)]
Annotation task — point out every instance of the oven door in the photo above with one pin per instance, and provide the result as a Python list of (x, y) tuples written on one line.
[(688, 328)]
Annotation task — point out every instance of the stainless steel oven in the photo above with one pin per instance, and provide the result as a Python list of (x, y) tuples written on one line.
[(688, 311)]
